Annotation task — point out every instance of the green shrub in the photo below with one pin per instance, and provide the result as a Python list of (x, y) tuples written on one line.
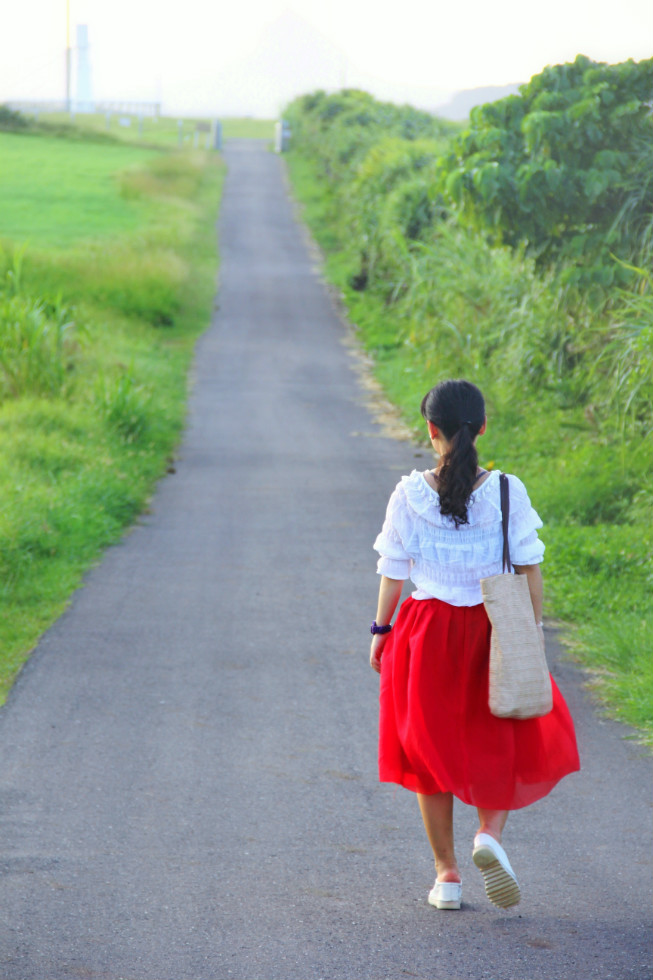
[(390, 198), (12, 120), (566, 167), (339, 129)]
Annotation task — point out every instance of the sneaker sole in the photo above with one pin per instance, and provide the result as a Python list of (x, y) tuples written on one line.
[(500, 887)]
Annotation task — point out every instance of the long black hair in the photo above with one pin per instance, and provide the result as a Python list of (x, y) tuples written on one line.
[(457, 408)]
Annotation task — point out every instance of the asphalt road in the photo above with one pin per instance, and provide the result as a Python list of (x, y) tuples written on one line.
[(188, 762)]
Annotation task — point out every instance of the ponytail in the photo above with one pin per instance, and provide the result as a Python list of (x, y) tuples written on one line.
[(458, 410)]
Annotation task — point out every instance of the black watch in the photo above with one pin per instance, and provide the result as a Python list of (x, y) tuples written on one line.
[(379, 629)]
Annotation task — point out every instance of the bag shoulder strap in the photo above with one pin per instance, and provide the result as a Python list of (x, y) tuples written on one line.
[(505, 516)]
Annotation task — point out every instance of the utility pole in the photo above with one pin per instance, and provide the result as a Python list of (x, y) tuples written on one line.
[(69, 57)]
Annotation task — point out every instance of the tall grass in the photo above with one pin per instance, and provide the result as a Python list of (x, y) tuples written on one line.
[(123, 403), (36, 346)]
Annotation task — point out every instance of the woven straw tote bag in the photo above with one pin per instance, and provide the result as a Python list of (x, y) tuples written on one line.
[(520, 684)]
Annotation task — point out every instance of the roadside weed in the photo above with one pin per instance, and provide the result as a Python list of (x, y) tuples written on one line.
[(123, 403)]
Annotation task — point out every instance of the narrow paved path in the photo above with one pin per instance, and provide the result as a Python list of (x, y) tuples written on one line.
[(187, 764)]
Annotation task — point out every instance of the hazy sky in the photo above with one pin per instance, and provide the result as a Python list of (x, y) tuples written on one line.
[(249, 56)]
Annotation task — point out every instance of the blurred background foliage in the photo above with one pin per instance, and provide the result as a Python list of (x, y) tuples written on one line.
[(566, 168)]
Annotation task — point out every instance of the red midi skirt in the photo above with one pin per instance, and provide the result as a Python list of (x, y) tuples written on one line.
[(437, 733)]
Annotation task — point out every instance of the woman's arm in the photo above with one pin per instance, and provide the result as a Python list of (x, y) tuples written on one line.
[(389, 595), (533, 574)]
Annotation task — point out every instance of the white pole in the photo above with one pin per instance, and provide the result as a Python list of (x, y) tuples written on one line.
[(69, 57)]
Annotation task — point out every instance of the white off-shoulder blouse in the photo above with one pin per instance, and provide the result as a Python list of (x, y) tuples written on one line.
[(446, 562)]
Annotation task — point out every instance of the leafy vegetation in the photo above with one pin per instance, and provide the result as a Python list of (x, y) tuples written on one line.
[(98, 317), (566, 167), (12, 120), (437, 286)]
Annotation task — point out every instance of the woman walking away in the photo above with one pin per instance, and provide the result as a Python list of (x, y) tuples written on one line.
[(437, 735)]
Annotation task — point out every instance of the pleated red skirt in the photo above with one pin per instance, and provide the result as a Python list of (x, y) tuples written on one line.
[(437, 733)]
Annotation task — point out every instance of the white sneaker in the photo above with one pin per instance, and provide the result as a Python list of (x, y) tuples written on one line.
[(446, 894), (501, 885)]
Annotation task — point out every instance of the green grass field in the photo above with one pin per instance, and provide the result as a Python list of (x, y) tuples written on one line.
[(99, 313), (54, 192)]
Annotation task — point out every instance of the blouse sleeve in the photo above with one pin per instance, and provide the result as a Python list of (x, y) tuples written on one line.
[(525, 545), (394, 561)]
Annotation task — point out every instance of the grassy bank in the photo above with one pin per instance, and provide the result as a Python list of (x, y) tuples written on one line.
[(445, 303), (164, 132), (99, 313)]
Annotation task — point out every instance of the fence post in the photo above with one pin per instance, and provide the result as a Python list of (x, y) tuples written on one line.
[(217, 135), (281, 136)]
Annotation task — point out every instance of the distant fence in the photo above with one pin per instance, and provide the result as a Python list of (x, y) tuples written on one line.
[(150, 109), (208, 133)]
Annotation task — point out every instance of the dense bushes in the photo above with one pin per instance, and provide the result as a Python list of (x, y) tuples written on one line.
[(566, 167), (561, 175), (340, 129)]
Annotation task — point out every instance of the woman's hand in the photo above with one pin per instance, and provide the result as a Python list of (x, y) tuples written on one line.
[(376, 651)]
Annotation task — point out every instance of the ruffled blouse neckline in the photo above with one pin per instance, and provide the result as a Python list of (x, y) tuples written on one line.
[(425, 501), (435, 494)]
